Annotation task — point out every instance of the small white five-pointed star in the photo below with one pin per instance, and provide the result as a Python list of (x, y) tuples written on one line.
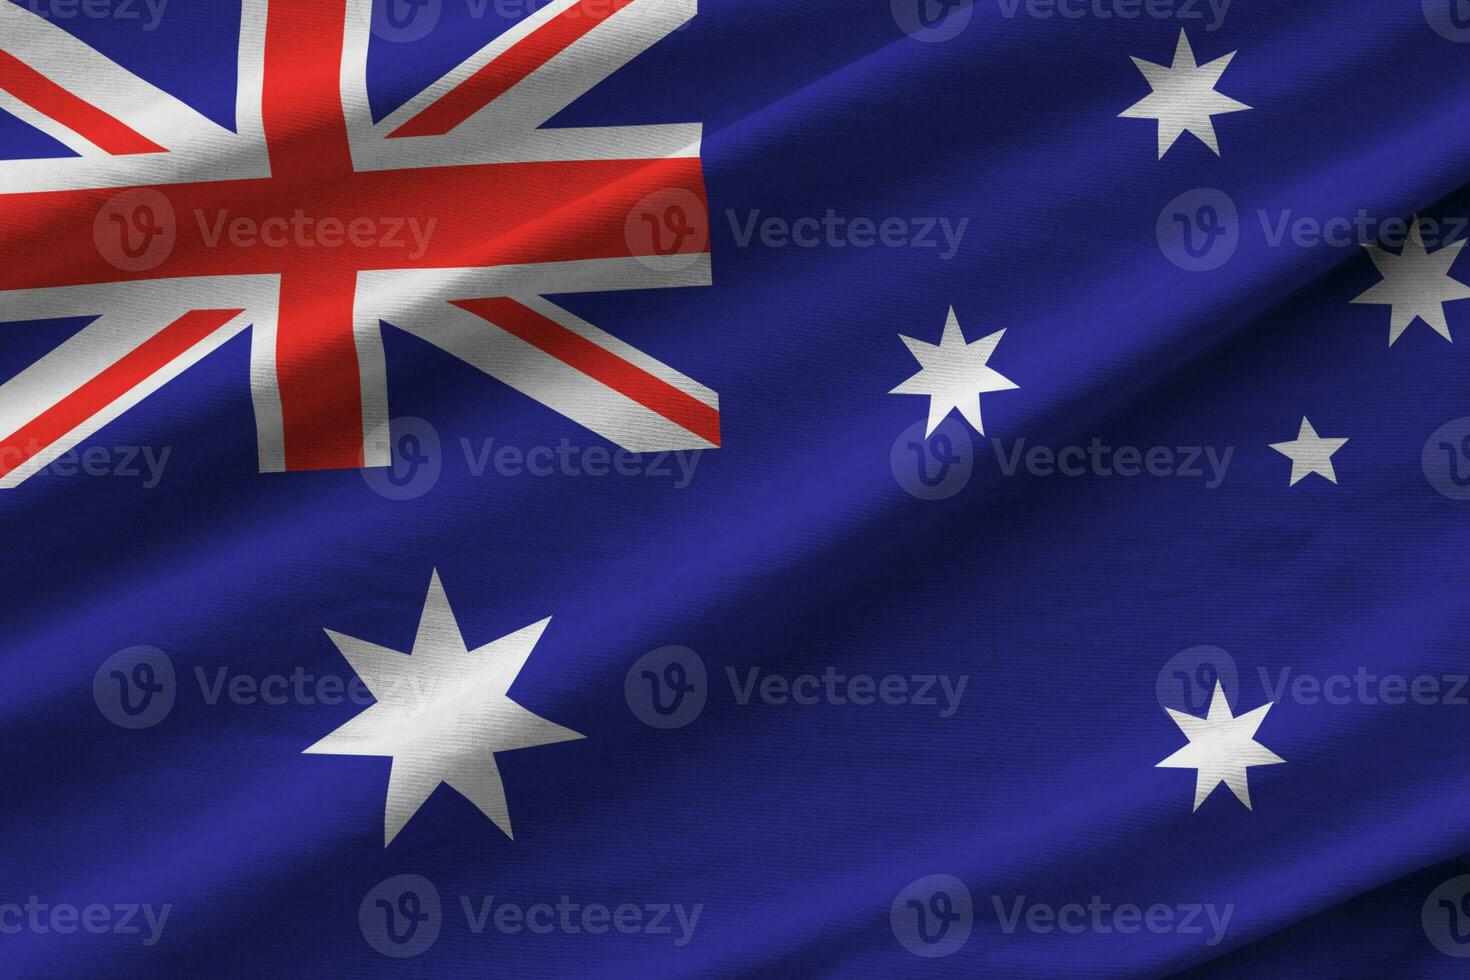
[(1222, 747), (1184, 97), (954, 374), (442, 713), (1310, 453), (1416, 284)]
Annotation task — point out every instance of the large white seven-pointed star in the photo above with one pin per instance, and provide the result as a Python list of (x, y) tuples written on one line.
[(1222, 747), (1416, 284), (442, 713), (1184, 97), (954, 374), (1310, 453)]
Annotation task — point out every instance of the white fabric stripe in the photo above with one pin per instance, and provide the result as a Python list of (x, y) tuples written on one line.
[(153, 383), (265, 387), (452, 80), (194, 143), (610, 45), (68, 138), (135, 312), (199, 293), (250, 93), (552, 382), (372, 369), (92, 77), (400, 292), (621, 350), (421, 296), (356, 107), (506, 131), (79, 359)]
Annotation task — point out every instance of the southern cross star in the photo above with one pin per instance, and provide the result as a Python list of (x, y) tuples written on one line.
[(1184, 97), (1310, 453), (442, 713), (954, 374), (1222, 747), (1416, 284)]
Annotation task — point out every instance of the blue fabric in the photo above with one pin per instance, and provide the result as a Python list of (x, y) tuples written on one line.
[(793, 549)]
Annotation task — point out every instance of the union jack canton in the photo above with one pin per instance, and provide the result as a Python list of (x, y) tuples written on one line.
[(145, 229)]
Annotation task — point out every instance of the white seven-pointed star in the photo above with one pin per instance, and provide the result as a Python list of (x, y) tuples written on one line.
[(1310, 453), (1416, 284), (442, 713), (954, 374), (1184, 97), (1222, 747)]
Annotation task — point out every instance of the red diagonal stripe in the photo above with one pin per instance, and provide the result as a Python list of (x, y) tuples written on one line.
[(499, 76), (135, 367), (82, 118), (600, 364)]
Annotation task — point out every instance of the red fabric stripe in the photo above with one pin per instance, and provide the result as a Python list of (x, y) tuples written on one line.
[(135, 367), (301, 105), (317, 372), (82, 118), (499, 76), (495, 214), (600, 364)]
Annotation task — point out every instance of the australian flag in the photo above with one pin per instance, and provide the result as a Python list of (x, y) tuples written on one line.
[(723, 488)]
